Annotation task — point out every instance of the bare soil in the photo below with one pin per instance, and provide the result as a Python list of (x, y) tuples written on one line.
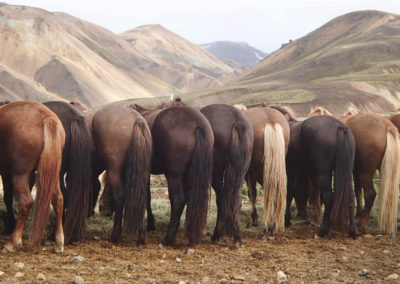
[(303, 258)]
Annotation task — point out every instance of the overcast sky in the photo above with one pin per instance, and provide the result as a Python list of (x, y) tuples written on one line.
[(264, 24)]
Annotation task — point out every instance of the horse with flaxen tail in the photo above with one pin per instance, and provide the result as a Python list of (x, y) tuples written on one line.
[(32, 137), (232, 154), (76, 164), (271, 138)]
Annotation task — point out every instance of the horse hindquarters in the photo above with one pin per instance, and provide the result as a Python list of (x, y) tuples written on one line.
[(343, 198), (274, 182), (79, 181), (389, 172), (197, 184)]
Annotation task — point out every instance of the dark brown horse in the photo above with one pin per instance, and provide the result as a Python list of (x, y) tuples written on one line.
[(123, 148), (267, 167), (319, 147), (233, 146), (32, 137), (377, 147)]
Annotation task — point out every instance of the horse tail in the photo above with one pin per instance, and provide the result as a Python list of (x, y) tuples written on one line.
[(237, 165), (343, 196), (274, 182), (136, 177), (197, 183), (78, 180), (389, 172), (48, 177)]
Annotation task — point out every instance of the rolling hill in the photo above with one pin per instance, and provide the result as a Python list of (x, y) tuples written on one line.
[(353, 60), (240, 53), (49, 55)]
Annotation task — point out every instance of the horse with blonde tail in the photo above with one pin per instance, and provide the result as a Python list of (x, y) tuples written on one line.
[(32, 138), (267, 167)]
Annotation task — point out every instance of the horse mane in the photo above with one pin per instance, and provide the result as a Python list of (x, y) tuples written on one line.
[(319, 110), (240, 107), (174, 102), (288, 113), (78, 105), (352, 111)]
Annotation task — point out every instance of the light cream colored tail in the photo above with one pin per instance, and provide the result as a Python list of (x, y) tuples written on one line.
[(274, 182), (388, 194)]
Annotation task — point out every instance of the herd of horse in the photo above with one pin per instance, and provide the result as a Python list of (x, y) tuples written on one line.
[(63, 149)]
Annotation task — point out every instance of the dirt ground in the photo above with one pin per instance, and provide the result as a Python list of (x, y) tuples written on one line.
[(296, 253)]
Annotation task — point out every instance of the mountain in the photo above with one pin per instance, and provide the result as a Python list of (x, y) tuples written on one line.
[(240, 53), (179, 62), (353, 60), (48, 56)]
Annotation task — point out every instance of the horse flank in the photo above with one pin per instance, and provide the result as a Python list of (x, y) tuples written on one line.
[(274, 182), (48, 174)]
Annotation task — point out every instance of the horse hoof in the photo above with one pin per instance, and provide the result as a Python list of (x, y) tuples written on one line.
[(58, 248), (8, 248), (167, 242), (322, 233), (214, 238), (141, 242), (151, 227)]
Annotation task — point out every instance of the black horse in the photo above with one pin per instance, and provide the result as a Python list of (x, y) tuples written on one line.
[(319, 147), (76, 165)]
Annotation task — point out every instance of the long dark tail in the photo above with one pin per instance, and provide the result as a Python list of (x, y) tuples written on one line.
[(197, 184), (48, 179), (79, 181), (238, 163), (343, 196), (136, 177)]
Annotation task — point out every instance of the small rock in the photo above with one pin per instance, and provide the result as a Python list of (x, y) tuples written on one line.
[(342, 248), (150, 280), (178, 260), (189, 251), (335, 273), (1, 273), (96, 238), (393, 276), (367, 236), (41, 277), (19, 265), (316, 236), (239, 277), (363, 272), (78, 280), (345, 258), (206, 279), (223, 280), (162, 261), (362, 252), (19, 275), (181, 282), (386, 251), (160, 246), (281, 276), (78, 258), (164, 255)]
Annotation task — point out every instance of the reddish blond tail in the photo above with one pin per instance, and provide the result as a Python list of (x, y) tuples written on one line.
[(274, 183), (388, 194), (48, 179)]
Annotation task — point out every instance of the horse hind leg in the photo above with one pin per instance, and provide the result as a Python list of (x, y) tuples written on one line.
[(358, 193), (177, 198), (218, 187), (252, 193), (151, 224), (114, 179), (24, 199), (323, 184), (369, 197), (8, 200), (57, 201)]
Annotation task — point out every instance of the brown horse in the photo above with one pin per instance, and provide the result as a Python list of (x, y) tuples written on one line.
[(271, 139), (122, 147), (32, 137), (319, 147), (377, 147)]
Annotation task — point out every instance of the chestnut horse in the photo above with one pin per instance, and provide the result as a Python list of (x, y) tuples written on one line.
[(122, 147), (32, 137), (319, 147), (271, 139), (377, 147)]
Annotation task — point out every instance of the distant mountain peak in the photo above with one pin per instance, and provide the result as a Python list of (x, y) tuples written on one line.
[(240, 53)]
